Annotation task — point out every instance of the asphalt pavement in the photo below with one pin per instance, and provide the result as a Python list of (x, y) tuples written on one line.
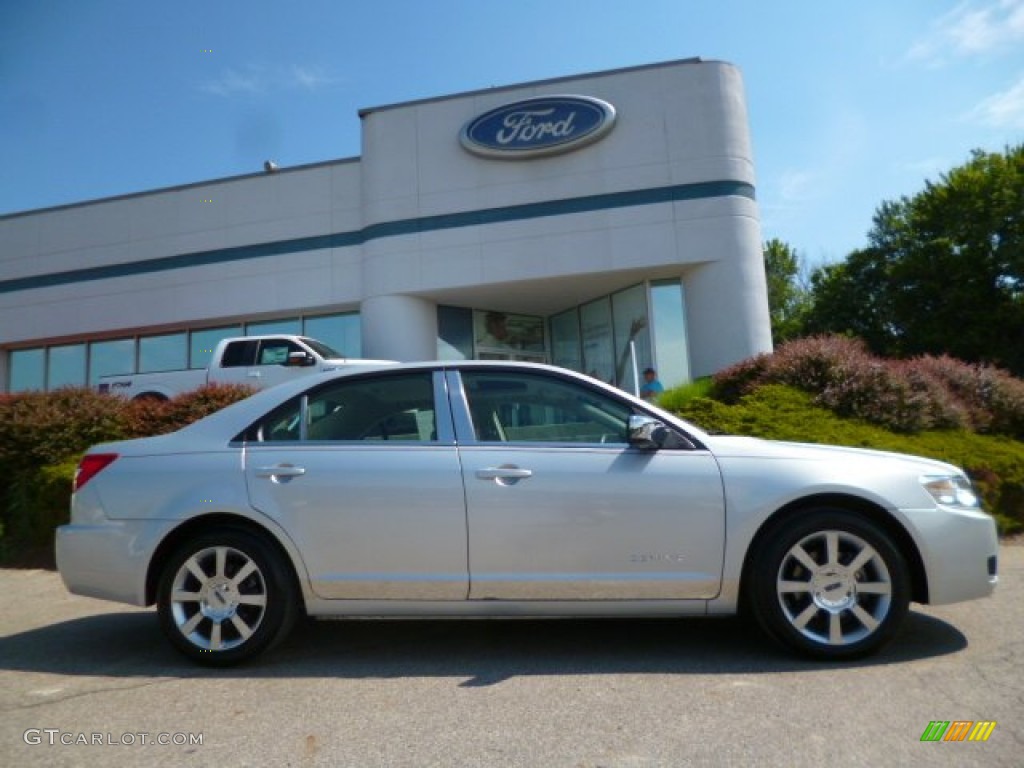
[(88, 683)]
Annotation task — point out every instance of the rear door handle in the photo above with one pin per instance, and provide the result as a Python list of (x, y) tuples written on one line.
[(280, 470)]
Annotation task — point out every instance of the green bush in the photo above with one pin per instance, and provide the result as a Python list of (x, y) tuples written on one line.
[(674, 398), (778, 412), (35, 503), (39, 501)]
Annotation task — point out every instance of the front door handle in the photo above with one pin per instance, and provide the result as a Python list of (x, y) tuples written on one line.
[(280, 470), (505, 475)]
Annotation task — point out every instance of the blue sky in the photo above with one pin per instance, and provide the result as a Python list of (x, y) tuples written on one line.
[(850, 103)]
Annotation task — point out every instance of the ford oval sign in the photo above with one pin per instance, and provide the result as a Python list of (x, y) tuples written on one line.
[(542, 126)]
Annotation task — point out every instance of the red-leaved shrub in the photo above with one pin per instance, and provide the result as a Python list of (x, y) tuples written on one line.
[(157, 417), (993, 398), (901, 395), (38, 428)]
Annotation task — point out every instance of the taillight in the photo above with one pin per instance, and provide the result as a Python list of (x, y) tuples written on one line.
[(91, 465)]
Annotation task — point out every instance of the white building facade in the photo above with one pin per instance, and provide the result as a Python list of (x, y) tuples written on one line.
[(604, 222)]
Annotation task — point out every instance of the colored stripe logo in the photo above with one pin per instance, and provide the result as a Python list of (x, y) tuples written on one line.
[(958, 730)]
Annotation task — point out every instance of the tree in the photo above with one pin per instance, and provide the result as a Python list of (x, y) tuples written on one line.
[(787, 297), (850, 298), (943, 272)]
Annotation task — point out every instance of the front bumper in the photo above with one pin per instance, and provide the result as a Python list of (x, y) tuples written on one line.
[(959, 549)]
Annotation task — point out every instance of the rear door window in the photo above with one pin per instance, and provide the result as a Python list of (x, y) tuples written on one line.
[(365, 409)]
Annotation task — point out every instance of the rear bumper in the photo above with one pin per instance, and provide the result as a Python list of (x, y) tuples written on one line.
[(109, 560)]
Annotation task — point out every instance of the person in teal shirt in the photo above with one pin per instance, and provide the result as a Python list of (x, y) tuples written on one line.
[(651, 387)]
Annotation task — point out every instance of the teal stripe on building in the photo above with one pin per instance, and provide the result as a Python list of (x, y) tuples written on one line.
[(586, 204)]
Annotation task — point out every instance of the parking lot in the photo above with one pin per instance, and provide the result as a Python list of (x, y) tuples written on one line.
[(83, 682)]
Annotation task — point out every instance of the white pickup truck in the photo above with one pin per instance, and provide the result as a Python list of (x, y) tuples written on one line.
[(255, 361)]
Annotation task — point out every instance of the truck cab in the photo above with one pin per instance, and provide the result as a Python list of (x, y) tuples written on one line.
[(256, 361)]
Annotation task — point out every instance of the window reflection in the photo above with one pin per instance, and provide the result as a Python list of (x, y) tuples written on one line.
[(598, 353), (668, 308), (342, 332), (565, 340), (28, 369), (454, 333), (168, 352), (291, 326), (109, 358), (66, 366), (202, 343), (632, 336), (504, 336)]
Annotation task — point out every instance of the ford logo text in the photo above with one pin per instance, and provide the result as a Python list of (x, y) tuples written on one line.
[(542, 126)]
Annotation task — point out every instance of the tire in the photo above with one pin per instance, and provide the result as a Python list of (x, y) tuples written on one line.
[(152, 397), (829, 585), (214, 617)]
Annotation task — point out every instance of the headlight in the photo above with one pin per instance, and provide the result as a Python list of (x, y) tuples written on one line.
[(951, 491)]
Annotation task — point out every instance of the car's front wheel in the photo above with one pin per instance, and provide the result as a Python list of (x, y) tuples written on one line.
[(829, 584), (225, 596)]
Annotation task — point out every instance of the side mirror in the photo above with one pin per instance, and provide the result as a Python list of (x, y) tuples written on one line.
[(646, 433), (299, 359)]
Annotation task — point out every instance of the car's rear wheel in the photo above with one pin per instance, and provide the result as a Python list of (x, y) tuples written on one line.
[(226, 596), (829, 584)]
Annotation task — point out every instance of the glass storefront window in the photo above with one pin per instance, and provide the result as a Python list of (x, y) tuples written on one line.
[(632, 336), (291, 326), (598, 349), (168, 352), (668, 308), (565, 340), (66, 366), (108, 358), (454, 333), (596, 338), (503, 336), (202, 343), (28, 369), (342, 332), (593, 338)]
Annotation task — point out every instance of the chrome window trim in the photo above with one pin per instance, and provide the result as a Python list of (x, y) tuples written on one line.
[(459, 408)]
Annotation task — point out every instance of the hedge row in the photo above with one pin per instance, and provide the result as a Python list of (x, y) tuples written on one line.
[(38, 428), (907, 396), (43, 434), (995, 463), (827, 390)]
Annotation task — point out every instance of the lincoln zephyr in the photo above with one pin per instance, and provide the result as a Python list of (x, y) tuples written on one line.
[(489, 489)]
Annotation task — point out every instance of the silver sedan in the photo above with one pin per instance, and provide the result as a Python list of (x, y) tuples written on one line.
[(478, 489)]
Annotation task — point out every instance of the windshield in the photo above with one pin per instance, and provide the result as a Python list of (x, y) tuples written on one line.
[(322, 349)]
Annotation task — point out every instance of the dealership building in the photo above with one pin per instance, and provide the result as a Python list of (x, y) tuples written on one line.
[(604, 222)]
